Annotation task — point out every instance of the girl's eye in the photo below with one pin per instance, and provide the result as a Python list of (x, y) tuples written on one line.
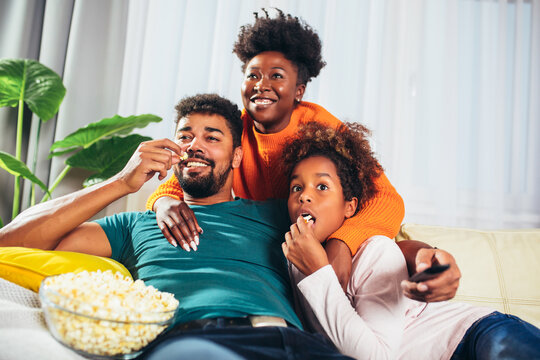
[(251, 76), (295, 188), (211, 138), (322, 187), (277, 76)]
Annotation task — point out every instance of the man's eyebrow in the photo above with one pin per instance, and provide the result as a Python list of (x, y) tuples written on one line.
[(211, 129), (206, 128)]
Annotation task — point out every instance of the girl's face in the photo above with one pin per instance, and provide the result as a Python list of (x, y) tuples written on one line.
[(269, 91), (315, 189)]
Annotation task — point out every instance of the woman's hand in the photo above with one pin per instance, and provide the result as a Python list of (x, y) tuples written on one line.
[(443, 287), (177, 222), (340, 258), (302, 249)]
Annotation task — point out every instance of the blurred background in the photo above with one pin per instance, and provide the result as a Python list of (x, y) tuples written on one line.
[(450, 88)]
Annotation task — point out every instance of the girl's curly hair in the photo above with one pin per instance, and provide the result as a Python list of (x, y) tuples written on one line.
[(289, 35), (347, 147)]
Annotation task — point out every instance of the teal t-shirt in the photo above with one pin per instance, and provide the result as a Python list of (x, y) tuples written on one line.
[(239, 268)]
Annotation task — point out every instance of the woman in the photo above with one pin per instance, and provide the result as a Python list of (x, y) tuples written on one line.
[(373, 320), (277, 68)]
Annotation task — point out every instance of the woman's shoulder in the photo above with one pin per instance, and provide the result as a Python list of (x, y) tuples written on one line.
[(307, 111)]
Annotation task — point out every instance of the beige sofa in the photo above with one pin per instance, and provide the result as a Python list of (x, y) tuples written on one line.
[(500, 269)]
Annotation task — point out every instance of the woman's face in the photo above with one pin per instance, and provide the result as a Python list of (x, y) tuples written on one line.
[(269, 91), (315, 189)]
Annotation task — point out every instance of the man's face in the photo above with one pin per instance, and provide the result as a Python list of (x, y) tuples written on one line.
[(207, 140)]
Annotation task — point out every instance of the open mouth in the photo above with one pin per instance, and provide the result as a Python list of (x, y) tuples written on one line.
[(307, 217)]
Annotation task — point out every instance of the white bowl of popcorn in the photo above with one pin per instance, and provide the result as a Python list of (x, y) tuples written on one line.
[(105, 315)]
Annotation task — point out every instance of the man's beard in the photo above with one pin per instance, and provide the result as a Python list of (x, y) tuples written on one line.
[(203, 186)]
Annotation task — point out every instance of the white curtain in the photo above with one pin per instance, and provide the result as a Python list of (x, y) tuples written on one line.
[(450, 88)]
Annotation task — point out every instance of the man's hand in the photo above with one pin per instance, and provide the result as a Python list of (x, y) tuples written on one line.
[(151, 157), (443, 287), (340, 258), (177, 222), (302, 249)]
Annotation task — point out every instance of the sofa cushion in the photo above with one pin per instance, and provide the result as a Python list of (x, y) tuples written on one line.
[(27, 267), (500, 269)]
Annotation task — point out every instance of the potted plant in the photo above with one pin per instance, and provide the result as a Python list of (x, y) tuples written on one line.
[(103, 147)]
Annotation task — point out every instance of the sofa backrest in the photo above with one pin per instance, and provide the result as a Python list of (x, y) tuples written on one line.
[(500, 268)]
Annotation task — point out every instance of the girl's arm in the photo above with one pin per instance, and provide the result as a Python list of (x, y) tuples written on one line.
[(372, 327)]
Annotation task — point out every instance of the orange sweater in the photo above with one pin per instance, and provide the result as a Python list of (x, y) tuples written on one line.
[(260, 177)]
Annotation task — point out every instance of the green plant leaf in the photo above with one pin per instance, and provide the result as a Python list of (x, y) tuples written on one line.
[(88, 135), (18, 168), (40, 87), (106, 157)]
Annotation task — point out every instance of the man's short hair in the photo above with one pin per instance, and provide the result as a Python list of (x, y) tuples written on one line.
[(213, 104)]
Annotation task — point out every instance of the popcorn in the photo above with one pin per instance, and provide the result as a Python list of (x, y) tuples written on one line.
[(184, 156), (103, 313)]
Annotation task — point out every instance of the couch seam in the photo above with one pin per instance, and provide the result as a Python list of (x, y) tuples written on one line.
[(500, 275)]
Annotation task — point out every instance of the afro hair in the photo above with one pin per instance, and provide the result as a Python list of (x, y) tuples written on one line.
[(289, 35), (347, 147)]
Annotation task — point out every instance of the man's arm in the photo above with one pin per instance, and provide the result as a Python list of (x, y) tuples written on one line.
[(419, 256), (60, 223)]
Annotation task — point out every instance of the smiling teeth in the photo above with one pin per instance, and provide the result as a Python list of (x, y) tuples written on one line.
[(263, 101), (195, 164)]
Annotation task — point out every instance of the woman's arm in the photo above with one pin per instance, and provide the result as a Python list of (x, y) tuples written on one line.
[(174, 217), (170, 188), (382, 215), (372, 327)]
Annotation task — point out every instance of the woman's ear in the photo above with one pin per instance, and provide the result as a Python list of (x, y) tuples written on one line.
[(300, 89), (237, 157), (350, 207)]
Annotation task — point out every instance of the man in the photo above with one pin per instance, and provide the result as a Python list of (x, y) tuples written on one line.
[(234, 292)]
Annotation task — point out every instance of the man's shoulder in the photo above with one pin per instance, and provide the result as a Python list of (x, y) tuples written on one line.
[(272, 211), (270, 204), (130, 217)]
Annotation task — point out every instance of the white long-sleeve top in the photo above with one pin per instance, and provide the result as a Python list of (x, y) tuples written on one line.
[(374, 320)]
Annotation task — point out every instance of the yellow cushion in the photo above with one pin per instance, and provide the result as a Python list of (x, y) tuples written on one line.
[(500, 269), (27, 267)]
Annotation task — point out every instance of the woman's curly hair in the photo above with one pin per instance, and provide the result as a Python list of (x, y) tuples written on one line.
[(289, 35), (347, 147)]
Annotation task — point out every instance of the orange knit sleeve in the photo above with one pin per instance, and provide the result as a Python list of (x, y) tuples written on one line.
[(382, 215), (169, 188)]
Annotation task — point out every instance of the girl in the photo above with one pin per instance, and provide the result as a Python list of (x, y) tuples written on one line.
[(374, 320)]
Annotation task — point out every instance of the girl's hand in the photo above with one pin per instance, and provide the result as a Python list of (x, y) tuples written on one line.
[(177, 223), (302, 249)]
